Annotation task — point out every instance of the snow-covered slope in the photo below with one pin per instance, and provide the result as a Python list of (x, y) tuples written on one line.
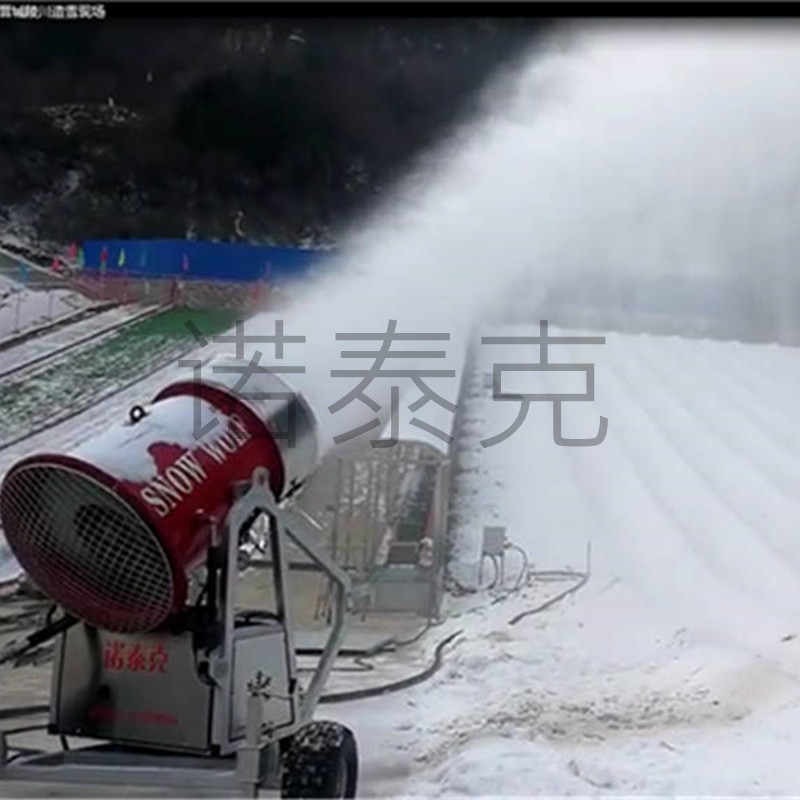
[(676, 668)]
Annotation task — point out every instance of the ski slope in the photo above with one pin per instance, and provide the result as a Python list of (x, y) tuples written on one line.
[(675, 670)]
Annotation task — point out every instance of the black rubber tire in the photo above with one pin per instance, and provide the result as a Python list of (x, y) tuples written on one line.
[(320, 761)]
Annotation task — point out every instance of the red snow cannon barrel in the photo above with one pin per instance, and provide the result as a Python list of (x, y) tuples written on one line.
[(112, 530)]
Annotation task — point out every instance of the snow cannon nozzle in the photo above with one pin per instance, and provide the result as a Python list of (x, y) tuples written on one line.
[(113, 529)]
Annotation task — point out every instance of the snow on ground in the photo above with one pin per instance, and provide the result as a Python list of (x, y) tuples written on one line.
[(22, 309), (40, 346), (675, 670)]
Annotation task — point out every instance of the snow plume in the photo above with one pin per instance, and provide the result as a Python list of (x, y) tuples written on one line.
[(645, 151)]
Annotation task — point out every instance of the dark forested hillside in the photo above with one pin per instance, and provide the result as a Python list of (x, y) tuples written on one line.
[(268, 129)]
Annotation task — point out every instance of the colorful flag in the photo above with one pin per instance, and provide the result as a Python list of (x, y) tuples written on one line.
[(73, 252), (121, 259)]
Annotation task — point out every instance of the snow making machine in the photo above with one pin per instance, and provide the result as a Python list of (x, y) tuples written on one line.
[(135, 535)]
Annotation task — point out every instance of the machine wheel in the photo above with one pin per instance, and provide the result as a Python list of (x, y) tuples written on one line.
[(320, 760)]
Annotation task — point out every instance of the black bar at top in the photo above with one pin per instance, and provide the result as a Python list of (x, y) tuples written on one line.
[(698, 10)]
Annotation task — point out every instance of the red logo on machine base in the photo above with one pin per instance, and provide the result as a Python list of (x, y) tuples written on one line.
[(120, 656)]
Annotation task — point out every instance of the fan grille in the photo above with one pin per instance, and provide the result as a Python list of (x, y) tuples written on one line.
[(86, 548)]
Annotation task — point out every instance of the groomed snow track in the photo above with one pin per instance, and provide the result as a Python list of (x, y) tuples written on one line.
[(676, 668)]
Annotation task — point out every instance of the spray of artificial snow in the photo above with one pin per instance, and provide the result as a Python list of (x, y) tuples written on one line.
[(637, 151)]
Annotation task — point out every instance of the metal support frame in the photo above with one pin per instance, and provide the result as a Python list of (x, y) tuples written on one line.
[(302, 534), (244, 764), (382, 478)]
